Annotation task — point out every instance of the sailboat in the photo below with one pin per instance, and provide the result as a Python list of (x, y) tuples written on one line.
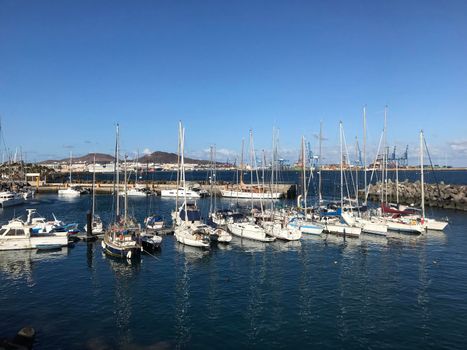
[(341, 221), (137, 190), (276, 225), (185, 232), (217, 233), (427, 223), (246, 227), (122, 239), (70, 191), (303, 222), (368, 224), (244, 191), (96, 224)]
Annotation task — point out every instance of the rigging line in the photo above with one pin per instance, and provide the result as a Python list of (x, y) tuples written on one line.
[(432, 168)]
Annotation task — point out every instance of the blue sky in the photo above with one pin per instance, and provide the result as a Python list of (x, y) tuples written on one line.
[(69, 70)]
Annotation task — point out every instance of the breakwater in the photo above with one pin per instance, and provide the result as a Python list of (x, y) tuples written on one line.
[(436, 195)]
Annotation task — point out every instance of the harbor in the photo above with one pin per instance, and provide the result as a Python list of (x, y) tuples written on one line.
[(183, 293), (233, 175)]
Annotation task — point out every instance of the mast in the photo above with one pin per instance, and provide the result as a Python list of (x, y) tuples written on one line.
[(320, 198), (422, 178), (342, 166), (241, 163), (117, 172), (71, 162), (182, 150), (178, 163), (357, 165), (94, 186), (386, 151), (364, 151), (212, 179), (126, 193), (397, 181), (304, 174), (251, 165)]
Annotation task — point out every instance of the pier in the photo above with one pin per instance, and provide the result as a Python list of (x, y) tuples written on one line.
[(288, 190)]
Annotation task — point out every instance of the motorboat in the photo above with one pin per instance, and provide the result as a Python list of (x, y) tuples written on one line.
[(181, 192), (18, 234), (69, 192), (10, 198), (154, 222)]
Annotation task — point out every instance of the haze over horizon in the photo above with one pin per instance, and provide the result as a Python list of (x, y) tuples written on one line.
[(70, 70)]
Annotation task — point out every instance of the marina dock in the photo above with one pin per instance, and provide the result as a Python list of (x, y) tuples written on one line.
[(288, 190)]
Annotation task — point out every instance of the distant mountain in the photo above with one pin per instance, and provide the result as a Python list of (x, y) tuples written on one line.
[(155, 157), (168, 158), (88, 158)]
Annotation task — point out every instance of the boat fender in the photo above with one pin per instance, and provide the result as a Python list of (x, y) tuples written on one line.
[(103, 245)]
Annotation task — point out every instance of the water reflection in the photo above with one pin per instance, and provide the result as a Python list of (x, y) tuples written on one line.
[(19, 264), (284, 246), (191, 254), (182, 306), (125, 273), (249, 245)]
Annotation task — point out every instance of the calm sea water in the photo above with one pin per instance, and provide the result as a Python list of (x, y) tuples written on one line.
[(398, 292)]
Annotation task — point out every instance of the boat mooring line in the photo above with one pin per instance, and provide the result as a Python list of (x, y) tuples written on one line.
[(147, 252)]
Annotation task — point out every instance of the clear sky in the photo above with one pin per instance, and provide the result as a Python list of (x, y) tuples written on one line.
[(69, 70)]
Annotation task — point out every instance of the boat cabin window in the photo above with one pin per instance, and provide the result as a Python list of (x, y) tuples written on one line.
[(2, 231), (15, 232)]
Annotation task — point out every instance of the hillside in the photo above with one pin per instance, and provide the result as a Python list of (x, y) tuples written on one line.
[(88, 158), (155, 157), (166, 157)]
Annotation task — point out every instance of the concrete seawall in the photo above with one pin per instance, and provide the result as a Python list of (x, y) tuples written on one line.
[(436, 195)]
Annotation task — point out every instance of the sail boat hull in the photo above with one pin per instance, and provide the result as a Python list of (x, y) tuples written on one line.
[(250, 195)]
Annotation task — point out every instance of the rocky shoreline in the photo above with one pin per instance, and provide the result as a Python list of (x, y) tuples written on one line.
[(436, 195)]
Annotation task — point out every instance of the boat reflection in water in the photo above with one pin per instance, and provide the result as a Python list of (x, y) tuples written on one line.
[(284, 246), (19, 264), (191, 254), (248, 245), (126, 272)]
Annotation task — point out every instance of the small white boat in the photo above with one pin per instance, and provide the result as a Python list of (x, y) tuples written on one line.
[(276, 229), (306, 226), (17, 235), (372, 226), (135, 192), (249, 230), (250, 194), (335, 226), (405, 226), (189, 236), (9, 199), (69, 192), (97, 226), (181, 192), (220, 235), (150, 241), (435, 225), (154, 222)]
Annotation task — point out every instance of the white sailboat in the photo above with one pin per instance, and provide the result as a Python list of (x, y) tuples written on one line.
[(70, 191), (185, 233), (345, 224), (428, 223), (96, 223), (246, 227)]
